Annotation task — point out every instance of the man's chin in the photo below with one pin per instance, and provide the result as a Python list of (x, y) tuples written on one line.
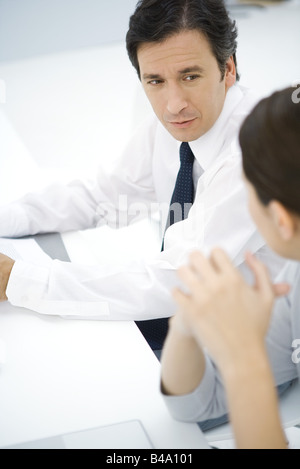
[(185, 136)]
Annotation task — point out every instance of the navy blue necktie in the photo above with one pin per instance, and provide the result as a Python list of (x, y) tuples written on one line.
[(155, 330)]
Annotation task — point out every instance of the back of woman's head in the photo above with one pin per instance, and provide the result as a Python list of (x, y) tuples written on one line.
[(270, 142)]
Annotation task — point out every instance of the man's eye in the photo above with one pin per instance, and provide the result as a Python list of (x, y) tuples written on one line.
[(154, 82), (191, 77)]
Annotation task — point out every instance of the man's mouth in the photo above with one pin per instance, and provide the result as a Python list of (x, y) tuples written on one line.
[(183, 124)]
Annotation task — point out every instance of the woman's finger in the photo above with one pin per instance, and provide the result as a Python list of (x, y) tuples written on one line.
[(222, 262), (261, 274), (281, 289), (188, 277), (202, 266)]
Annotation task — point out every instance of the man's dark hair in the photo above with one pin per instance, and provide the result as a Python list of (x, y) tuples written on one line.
[(157, 20), (270, 142)]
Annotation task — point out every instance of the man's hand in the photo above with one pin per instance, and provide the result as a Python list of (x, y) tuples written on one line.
[(6, 265)]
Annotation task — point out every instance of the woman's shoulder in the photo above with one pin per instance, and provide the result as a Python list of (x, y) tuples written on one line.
[(290, 273)]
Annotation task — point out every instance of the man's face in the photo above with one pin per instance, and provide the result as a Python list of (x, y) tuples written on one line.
[(182, 81)]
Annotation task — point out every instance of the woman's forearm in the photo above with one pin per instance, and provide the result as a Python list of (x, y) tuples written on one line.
[(183, 364), (253, 403)]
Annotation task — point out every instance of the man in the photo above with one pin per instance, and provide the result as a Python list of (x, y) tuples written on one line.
[(185, 54)]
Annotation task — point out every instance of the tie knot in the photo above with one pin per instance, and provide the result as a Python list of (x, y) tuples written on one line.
[(186, 154)]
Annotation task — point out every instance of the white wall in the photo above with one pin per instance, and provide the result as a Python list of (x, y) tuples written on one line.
[(64, 109), (34, 27)]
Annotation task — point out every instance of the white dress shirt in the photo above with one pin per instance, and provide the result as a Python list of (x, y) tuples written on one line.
[(208, 401), (143, 177)]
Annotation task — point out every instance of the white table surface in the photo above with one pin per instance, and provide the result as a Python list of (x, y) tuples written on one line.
[(64, 376)]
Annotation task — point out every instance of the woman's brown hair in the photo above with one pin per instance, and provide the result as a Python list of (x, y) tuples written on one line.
[(270, 142)]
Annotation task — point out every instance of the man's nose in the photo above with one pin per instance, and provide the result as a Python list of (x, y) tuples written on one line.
[(176, 100)]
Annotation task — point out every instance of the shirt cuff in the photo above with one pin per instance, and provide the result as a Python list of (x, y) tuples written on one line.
[(28, 287), (27, 283), (13, 221), (194, 407)]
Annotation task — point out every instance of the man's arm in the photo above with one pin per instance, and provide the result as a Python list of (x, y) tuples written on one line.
[(84, 204), (6, 265)]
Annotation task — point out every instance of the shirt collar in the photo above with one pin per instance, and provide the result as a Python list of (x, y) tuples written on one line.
[(208, 147)]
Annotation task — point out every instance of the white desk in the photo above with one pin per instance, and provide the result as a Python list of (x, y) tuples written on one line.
[(64, 376)]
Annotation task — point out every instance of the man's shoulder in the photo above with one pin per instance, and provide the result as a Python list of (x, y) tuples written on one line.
[(249, 98)]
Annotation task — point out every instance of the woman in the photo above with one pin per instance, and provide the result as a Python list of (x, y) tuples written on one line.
[(229, 319)]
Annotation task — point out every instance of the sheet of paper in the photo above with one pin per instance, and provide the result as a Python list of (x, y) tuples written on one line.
[(15, 154), (293, 436), (25, 249), (2, 353), (9, 250)]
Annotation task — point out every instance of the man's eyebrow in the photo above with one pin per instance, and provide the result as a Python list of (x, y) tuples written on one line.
[(150, 76), (194, 69), (153, 76)]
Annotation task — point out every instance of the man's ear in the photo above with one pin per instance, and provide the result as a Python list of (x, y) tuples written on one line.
[(283, 220), (230, 73)]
